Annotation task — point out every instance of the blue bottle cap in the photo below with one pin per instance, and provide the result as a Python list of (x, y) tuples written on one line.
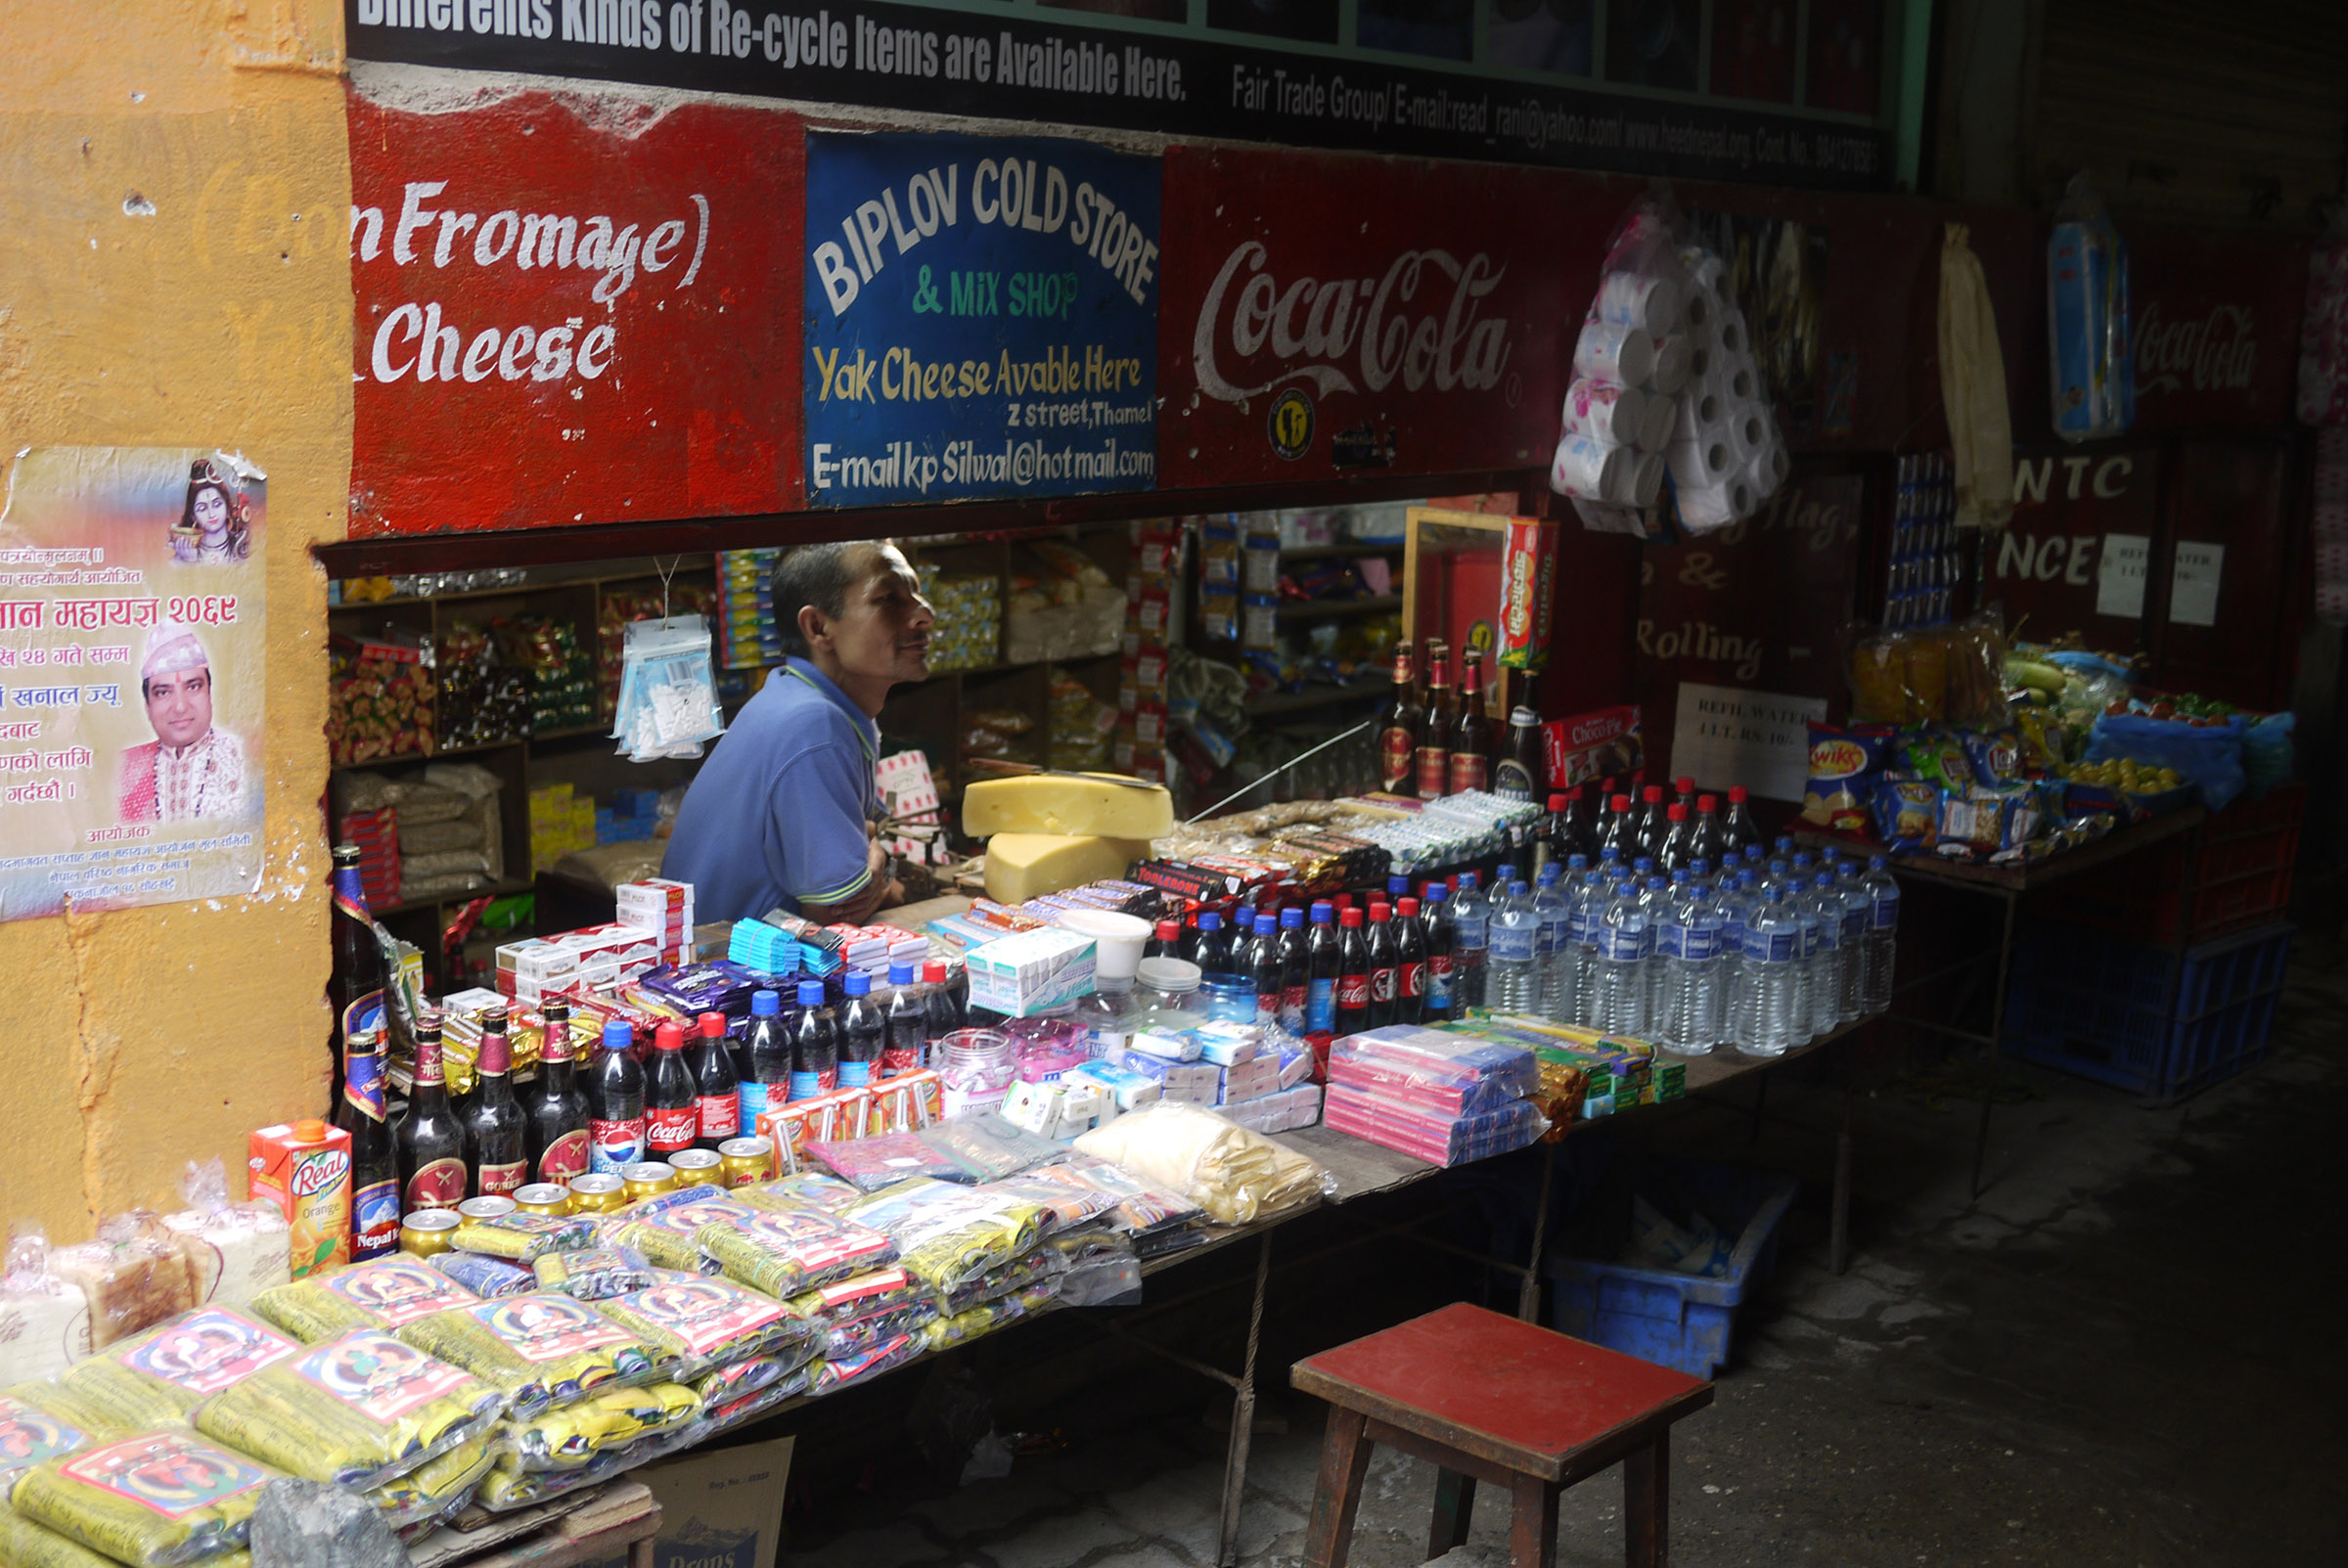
[(763, 1005), (1265, 925), (618, 1033), (858, 984), (1322, 911), (1209, 920), (1515, 889), (1505, 874), (1290, 918), (811, 993), (900, 974)]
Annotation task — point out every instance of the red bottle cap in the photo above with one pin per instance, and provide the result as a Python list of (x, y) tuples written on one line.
[(1575, 793), (670, 1037), (1622, 803), (1737, 794), (1685, 785), (1652, 795), (933, 972), (1349, 917), (1409, 909), (1169, 930), (713, 1025), (1677, 813), (1343, 902), (1707, 803), (1557, 802), (1380, 912)]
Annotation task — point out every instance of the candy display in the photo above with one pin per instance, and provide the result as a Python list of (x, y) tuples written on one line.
[(380, 698), (359, 1411), (481, 700), (563, 692)]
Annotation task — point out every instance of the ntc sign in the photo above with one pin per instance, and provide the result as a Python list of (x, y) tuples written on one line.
[(2082, 531)]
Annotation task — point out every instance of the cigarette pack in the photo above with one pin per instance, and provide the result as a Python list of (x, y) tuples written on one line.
[(1030, 971)]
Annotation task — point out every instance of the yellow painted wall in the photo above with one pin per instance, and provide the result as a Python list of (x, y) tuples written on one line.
[(132, 1042)]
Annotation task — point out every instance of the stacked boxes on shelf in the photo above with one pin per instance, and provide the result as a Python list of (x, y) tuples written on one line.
[(746, 634), (1441, 1097), (630, 818), (561, 821), (664, 909), (1140, 749), (376, 834)]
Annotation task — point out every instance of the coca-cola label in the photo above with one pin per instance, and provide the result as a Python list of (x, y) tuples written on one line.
[(718, 1115), (1398, 754), (495, 1181), (1414, 981), (1468, 772), (565, 1158), (437, 1185), (669, 1129), (1353, 991), (2216, 352), (613, 1144), (897, 1059), (1382, 985)]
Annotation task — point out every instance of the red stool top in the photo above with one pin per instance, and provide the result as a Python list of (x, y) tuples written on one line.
[(1525, 1390)]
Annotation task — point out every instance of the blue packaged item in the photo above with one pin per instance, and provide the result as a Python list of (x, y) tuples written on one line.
[(2208, 756), (485, 1276), (1907, 813), (2089, 353)]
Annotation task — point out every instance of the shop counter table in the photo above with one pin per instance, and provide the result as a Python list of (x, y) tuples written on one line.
[(2008, 886)]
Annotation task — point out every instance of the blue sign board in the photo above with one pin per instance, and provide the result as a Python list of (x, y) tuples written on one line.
[(981, 317)]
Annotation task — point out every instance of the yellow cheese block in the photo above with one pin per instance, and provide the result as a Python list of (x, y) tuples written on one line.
[(1019, 866), (1081, 805)]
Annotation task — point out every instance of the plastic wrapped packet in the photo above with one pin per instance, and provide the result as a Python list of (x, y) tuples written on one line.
[(161, 1375), (1065, 1205), (668, 690), (869, 1164), (669, 1238), (26, 1544), (724, 1388), (828, 1376), (709, 1323), (155, 1501), (1448, 1074), (1236, 1176), (747, 1407), (538, 1350), (44, 1321), (946, 1236), (28, 1434), (1002, 1279), (669, 1202), (503, 1490), (358, 1410), (438, 1487), (786, 1252), (234, 1251), (605, 1421), (1141, 1210), (969, 1324), (486, 1278), (521, 1237), (596, 1274), (51, 1397), (989, 1147), (132, 1276), (381, 1295), (855, 1315), (808, 1190)]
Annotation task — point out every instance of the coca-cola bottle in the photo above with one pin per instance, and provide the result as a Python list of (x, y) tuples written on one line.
[(671, 1107), (1410, 945), (1353, 975), (1385, 966), (716, 1087)]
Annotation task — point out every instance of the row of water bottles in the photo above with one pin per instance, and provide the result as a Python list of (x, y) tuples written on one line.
[(1764, 956)]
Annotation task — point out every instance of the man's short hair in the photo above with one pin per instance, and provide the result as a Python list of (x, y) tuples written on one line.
[(821, 575)]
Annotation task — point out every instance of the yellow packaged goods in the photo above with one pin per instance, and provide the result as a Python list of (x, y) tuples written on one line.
[(1105, 804), (605, 1421), (1234, 1175), (161, 1375), (789, 1251), (28, 1434), (438, 1486), (75, 1409), (972, 1321), (356, 1412), (855, 1315), (524, 1237), (596, 1274), (808, 1190), (946, 1235), (26, 1544), (709, 1321), (1023, 866), (381, 1294), (666, 1237), (538, 1349), (155, 1501)]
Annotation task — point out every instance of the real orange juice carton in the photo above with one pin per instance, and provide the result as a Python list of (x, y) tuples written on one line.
[(304, 1169)]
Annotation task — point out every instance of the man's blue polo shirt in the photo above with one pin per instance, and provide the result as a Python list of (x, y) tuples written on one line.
[(775, 816)]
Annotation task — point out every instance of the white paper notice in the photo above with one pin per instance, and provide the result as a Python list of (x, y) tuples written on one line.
[(2194, 585), (2120, 581), (1725, 735)]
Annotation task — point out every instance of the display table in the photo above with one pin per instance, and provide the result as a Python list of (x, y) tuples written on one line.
[(2010, 885)]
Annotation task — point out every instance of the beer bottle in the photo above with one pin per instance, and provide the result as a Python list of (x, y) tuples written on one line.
[(671, 1107), (716, 1088), (1523, 761), (615, 1102), (814, 1045), (374, 1162), (1471, 736), (1353, 975), (1410, 1001), (494, 1142), (1399, 725), (358, 972), (1385, 966), (431, 1146), (1434, 737), (862, 1033), (553, 1119)]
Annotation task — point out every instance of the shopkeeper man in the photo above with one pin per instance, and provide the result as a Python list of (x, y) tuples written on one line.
[(780, 816)]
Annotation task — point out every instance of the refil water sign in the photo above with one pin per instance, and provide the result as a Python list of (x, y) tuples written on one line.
[(981, 319)]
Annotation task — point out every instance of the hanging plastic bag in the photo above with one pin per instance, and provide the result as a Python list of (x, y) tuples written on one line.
[(668, 690), (1633, 357), (358, 1411), (1972, 387), (2089, 353)]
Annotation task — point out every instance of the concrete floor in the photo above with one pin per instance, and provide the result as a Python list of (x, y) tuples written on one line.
[(2128, 1352)]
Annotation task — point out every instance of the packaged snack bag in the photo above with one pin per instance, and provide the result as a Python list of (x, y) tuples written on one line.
[(381, 1294), (358, 1410), (524, 1237), (709, 1324), (1846, 761), (604, 1422), (789, 1251), (538, 1350), (156, 1500), (596, 1274), (161, 1375)]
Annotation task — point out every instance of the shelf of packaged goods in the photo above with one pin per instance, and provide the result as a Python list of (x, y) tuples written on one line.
[(600, 574), (1012, 668), (1347, 551), (1314, 608), (505, 889), (1269, 704)]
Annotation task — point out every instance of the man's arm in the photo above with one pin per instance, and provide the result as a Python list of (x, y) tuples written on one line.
[(859, 906), (834, 869)]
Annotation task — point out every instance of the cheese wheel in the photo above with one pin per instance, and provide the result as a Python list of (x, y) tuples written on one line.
[(1075, 805), (1020, 866)]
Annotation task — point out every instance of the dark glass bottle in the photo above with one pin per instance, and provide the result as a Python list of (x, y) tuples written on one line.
[(1653, 825), (358, 967), (814, 1045), (1471, 738), (767, 1086), (1209, 948), (1410, 947), (1711, 838), (1434, 737), (716, 1085), (1578, 835), (1166, 940), (1619, 832), (1293, 971), (1679, 841), (615, 1102), (1263, 968), (908, 1046), (374, 1160), (1353, 975), (1523, 764), (1441, 935), (672, 1108), (1386, 966), (862, 1033), (1399, 725), (1321, 971), (555, 1115), (493, 1123), (431, 1145), (938, 1003), (1739, 826)]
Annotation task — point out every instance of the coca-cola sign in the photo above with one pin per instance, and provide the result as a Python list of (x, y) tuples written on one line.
[(1343, 315), (2218, 352), (2216, 326)]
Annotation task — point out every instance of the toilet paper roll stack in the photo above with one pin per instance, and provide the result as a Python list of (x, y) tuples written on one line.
[(1725, 454)]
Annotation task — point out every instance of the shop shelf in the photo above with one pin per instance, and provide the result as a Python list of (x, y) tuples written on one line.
[(1679, 1320), (1268, 703), (1349, 549), (2092, 1005)]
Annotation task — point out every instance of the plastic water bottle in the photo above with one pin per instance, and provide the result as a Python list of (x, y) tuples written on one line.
[(1589, 909), (1802, 905), (1472, 917), (1625, 943), (1554, 906), (1771, 939), (1688, 946), (1831, 964), (1883, 924), (1736, 905), (1654, 900), (1514, 965), (1857, 906)]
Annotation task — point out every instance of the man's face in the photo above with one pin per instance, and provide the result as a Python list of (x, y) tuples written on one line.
[(180, 705), (883, 631)]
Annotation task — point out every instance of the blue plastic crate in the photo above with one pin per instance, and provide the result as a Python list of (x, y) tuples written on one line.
[(1675, 1319), (2092, 1005)]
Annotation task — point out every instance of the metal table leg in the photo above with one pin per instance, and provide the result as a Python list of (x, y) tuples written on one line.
[(1838, 1249), (1528, 1289), (1997, 1034), (1242, 1416)]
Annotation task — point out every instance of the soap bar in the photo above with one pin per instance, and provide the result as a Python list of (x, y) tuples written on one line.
[(1021, 866), (1106, 804)]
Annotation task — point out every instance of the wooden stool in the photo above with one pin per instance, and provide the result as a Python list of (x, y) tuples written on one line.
[(1486, 1398)]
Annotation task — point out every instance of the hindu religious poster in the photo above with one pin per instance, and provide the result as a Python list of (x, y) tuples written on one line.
[(131, 678)]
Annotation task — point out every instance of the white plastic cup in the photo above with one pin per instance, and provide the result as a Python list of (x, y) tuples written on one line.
[(1117, 940)]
